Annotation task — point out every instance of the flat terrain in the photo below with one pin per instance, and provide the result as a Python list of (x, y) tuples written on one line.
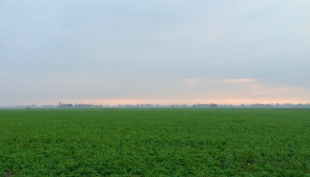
[(155, 142)]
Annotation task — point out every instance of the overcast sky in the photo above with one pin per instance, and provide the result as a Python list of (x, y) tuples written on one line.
[(154, 51)]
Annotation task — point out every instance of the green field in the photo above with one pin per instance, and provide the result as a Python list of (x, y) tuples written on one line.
[(155, 142)]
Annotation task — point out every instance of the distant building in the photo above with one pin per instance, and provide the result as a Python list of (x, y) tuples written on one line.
[(257, 105), (212, 105), (84, 106), (146, 105), (66, 106)]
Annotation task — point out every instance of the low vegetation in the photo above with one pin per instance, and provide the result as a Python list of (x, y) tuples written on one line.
[(155, 142)]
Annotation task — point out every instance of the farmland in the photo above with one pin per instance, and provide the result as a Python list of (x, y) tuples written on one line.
[(155, 142)]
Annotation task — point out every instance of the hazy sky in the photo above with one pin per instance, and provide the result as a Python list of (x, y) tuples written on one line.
[(154, 51)]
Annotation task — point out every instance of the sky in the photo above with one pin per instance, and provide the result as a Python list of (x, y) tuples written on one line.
[(154, 51)]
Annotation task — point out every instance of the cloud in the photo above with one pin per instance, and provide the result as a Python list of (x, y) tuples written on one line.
[(217, 81), (275, 91), (302, 28), (235, 81)]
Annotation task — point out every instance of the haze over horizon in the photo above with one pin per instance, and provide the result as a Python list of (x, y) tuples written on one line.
[(157, 52)]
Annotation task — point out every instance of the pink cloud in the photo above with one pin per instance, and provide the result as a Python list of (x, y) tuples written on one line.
[(235, 81), (188, 81), (211, 81)]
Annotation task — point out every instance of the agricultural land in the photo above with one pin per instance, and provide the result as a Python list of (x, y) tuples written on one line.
[(155, 142)]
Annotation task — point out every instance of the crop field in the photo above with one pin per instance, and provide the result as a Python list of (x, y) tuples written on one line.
[(155, 142)]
